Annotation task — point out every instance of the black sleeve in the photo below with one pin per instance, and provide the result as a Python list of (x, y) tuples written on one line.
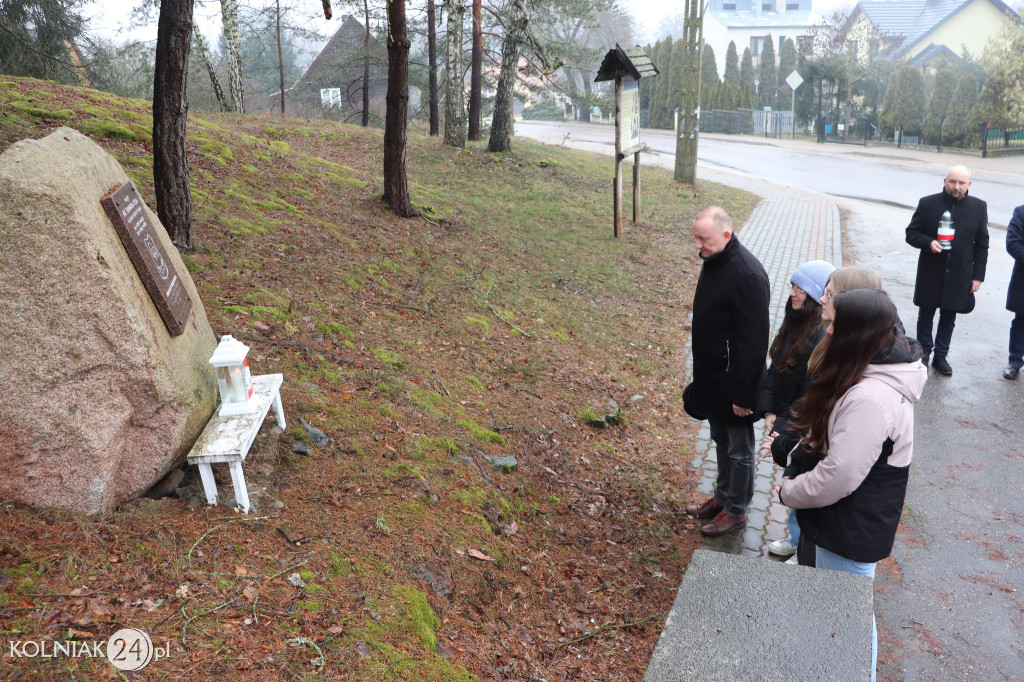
[(752, 329), (919, 233), (981, 246)]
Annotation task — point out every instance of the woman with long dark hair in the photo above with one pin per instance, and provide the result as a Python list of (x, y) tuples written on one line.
[(858, 421), (787, 380)]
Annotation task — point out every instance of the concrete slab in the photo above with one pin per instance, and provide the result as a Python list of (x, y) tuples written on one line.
[(743, 618)]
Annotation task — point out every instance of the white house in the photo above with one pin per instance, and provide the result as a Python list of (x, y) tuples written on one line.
[(748, 23)]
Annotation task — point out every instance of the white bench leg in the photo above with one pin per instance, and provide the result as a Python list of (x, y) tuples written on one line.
[(209, 485), (279, 409), (241, 493)]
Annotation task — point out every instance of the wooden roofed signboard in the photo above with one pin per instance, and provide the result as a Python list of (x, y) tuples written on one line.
[(626, 68), (126, 211)]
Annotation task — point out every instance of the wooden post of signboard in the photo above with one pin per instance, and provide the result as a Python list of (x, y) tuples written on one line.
[(636, 187), (626, 65), (617, 200)]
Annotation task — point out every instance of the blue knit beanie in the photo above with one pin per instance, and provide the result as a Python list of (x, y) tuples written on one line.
[(812, 277)]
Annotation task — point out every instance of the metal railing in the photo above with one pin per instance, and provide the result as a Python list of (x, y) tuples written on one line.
[(747, 122)]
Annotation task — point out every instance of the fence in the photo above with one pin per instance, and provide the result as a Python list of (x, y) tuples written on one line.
[(983, 139), (747, 122), (998, 141)]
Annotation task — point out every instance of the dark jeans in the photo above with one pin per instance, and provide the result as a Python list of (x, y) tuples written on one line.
[(1017, 340), (947, 320), (734, 446)]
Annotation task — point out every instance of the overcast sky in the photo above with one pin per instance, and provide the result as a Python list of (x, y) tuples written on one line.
[(112, 18)]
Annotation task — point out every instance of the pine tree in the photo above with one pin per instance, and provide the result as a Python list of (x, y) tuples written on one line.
[(935, 115), (648, 83), (708, 67), (661, 84), (732, 67), (903, 105), (37, 38), (962, 123), (787, 64), (673, 96), (728, 97), (745, 98), (767, 78)]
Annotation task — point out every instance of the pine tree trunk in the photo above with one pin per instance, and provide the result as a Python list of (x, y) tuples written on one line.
[(366, 65), (588, 90), (204, 57), (504, 116), (170, 110), (229, 13), (435, 125), (280, 56), (476, 79), (396, 184), (455, 92)]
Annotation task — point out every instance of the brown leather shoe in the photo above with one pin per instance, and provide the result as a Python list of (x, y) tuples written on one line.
[(707, 510), (723, 524)]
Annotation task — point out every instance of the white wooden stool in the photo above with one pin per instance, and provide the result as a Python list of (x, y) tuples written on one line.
[(226, 440)]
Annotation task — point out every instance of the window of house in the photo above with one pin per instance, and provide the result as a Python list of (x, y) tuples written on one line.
[(767, 6), (851, 49), (728, 6), (805, 45), (330, 97), (756, 45), (792, 6)]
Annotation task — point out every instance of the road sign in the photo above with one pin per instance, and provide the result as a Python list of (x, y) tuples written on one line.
[(794, 80)]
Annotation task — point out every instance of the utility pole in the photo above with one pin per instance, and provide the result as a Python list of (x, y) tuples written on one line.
[(686, 136)]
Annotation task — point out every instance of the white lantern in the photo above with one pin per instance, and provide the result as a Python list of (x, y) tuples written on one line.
[(233, 377)]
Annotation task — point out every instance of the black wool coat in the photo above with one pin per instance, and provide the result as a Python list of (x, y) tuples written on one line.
[(944, 279), (1015, 247), (729, 336)]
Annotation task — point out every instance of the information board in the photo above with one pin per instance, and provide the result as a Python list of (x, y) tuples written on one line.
[(629, 126)]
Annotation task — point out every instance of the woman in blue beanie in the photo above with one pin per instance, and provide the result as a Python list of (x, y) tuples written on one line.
[(800, 332)]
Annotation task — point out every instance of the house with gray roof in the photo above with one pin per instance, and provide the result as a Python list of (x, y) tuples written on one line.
[(919, 31)]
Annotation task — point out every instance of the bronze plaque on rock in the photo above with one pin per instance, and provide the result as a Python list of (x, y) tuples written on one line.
[(125, 208)]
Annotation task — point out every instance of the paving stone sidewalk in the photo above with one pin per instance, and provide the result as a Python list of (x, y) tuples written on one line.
[(785, 230)]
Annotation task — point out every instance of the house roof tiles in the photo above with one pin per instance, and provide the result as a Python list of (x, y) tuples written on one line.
[(914, 19)]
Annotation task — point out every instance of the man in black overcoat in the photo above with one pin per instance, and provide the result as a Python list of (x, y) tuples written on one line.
[(947, 279), (729, 342), (1015, 294)]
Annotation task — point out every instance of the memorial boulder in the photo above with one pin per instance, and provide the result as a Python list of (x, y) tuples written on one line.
[(104, 342)]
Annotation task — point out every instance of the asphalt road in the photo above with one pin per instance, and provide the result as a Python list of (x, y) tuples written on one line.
[(949, 602)]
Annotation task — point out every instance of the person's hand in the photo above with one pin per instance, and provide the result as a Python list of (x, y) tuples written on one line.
[(936, 246), (769, 421), (766, 447), (741, 411), (975, 285)]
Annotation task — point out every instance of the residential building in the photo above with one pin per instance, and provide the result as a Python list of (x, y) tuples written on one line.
[(919, 31), (748, 23)]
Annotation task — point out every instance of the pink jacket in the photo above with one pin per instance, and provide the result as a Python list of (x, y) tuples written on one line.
[(878, 407)]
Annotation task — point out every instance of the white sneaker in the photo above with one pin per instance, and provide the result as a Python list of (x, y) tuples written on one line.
[(791, 560), (781, 547)]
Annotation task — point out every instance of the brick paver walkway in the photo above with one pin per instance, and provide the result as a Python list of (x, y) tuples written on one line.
[(784, 231)]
